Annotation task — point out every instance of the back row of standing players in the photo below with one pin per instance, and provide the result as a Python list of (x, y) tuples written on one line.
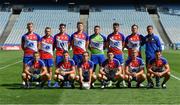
[(96, 43)]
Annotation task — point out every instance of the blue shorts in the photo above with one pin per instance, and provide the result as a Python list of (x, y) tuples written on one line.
[(58, 59), (27, 59), (97, 58), (120, 58), (32, 79), (77, 58), (48, 62)]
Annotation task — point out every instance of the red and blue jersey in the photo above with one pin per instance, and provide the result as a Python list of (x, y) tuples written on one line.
[(79, 42), (134, 42), (134, 65), (86, 66), (30, 44), (61, 43), (158, 64), (66, 66), (46, 50), (114, 64), (116, 43), (35, 65)]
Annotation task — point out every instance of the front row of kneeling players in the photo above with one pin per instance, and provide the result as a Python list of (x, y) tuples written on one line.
[(110, 71)]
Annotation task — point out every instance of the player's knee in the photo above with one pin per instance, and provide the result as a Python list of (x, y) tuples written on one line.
[(47, 75), (126, 77), (130, 77), (49, 70), (168, 73), (77, 78), (71, 77), (55, 77), (121, 76), (56, 72), (23, 75), (94, 77), (100, 77), (60, 77), (148, 74), (143, 76)]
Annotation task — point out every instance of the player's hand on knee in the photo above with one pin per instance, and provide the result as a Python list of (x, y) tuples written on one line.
[(160, 74)]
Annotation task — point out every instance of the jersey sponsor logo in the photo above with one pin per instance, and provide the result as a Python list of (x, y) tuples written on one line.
[(62, 44), (116, 42), (97, 45), (47, 48), (134, 43), (81, 43), (47, 45), (31, 44)]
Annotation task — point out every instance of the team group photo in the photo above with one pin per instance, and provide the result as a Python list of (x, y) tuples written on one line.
[(90, 52), (81, 67)]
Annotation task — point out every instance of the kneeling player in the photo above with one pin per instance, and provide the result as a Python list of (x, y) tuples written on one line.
[(111, 71), (35, 71), (85, 70), (65, 72), (134, 69), (158, 67)]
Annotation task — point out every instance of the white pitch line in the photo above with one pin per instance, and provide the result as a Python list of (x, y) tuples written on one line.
[(10, 65), (175, 77)]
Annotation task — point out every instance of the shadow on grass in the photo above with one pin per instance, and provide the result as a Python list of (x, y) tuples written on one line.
[(18, 86)]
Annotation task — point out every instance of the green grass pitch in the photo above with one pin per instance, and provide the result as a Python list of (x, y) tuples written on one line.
[(11, 93)]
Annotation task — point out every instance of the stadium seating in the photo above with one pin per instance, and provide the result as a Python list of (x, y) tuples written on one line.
[(43, 16), (4, 17), (125, 15), (171, 24)]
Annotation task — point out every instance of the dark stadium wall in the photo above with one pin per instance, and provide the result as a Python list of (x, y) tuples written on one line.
[(92, 1)]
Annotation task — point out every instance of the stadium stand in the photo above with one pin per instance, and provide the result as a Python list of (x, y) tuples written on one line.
[(171, 26), (42, 16), (171, 22), (125, 15), (4, 17)]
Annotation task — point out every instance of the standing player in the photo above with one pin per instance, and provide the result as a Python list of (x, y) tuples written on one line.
[(85, 71), (96, 46), (158, 67), (46, 51), (134, 41), (79, 41), (65, 71), (134, 68), (115, 43), (61, 43), (29, 44), (35, 71), (111, 70), (152, 43)]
